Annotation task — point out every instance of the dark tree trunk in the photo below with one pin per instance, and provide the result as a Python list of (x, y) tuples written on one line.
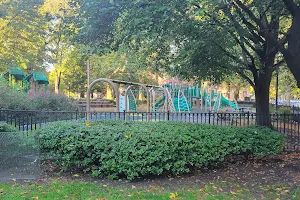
[(82, 95), (292, 52), (292, 55), (262, 93)]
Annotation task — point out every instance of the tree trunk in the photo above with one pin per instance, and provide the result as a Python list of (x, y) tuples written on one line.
[(57, 82), (237, 93), (292, 55), (82, 95), (262, 95)]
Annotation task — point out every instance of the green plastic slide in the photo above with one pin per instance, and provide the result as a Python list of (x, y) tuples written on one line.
[(229, 103), (158, 103)]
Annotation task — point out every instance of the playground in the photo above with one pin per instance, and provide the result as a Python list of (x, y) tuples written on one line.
[(149, 99), (169, 97)]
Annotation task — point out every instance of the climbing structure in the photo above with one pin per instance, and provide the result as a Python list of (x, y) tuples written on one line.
[(180, 98), (30, 81), (131, 101), (177, 101), (35, 80), (14, 75)]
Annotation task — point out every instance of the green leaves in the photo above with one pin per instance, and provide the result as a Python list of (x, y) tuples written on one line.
[(4, 127), (136, 149), (22, 34)]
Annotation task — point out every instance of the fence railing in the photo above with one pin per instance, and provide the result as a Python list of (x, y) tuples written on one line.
[(293, 109), (287, 124)]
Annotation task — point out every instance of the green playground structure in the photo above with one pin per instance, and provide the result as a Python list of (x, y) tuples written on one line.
[(182, 96), (30, 81), (132, 101), (159, 102)]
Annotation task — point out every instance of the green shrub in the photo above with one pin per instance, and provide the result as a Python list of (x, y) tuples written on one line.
[(135, 149), (4, 127), (285, 110), (15, 98), (42, 100)]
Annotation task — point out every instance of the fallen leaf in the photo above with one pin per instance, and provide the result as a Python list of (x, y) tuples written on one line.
[(24, 192), (173, 195)]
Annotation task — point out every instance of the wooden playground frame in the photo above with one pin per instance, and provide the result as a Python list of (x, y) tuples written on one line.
[(116, 92)]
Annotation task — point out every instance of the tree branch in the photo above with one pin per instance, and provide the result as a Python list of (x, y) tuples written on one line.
[(278, 64), (250, 14), (241, 73), (230, 55), (291, 6), (256, 37), (247, 79), (241, 44)]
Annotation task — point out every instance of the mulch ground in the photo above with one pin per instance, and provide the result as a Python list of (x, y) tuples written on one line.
[(260, 171)]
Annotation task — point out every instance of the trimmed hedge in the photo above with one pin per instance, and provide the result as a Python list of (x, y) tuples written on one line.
[(134, 149)]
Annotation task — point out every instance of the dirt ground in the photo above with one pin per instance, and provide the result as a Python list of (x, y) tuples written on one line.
[(260, 171)]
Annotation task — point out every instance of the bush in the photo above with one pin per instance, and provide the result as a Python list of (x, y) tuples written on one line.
[(135, 149), (42, 100), (285, 110), (4, 127), (16, 99)]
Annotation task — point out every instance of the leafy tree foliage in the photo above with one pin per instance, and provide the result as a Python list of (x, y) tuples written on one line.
[(22, 34), (60, 33)]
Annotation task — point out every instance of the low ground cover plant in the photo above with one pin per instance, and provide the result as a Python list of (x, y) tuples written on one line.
[(135, 149)]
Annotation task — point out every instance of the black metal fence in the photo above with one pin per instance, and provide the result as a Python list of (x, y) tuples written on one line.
[(287, 124)]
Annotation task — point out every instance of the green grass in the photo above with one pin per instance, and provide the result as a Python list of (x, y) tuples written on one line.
[(82, 190)]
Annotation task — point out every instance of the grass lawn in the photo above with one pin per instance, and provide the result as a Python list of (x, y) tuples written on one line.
[(83, 190)]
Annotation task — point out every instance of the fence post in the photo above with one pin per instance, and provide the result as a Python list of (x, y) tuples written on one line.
[(293, 109), (283, 123), (248, 117), (208, 117), (168, 115)]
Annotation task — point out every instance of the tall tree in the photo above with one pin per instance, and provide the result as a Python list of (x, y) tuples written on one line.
[(22, 34), (61, 31)]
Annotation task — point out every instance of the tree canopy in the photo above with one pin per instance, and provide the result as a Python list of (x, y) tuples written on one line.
[(22, 34)]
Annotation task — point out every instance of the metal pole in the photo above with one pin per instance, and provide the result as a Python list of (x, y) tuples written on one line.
[(88, 71), (276, 101)]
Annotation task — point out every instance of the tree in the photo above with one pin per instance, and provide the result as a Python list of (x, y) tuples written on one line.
[(236, 83), (59, 35), (22, 34), (291, 51), (75, 75)]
